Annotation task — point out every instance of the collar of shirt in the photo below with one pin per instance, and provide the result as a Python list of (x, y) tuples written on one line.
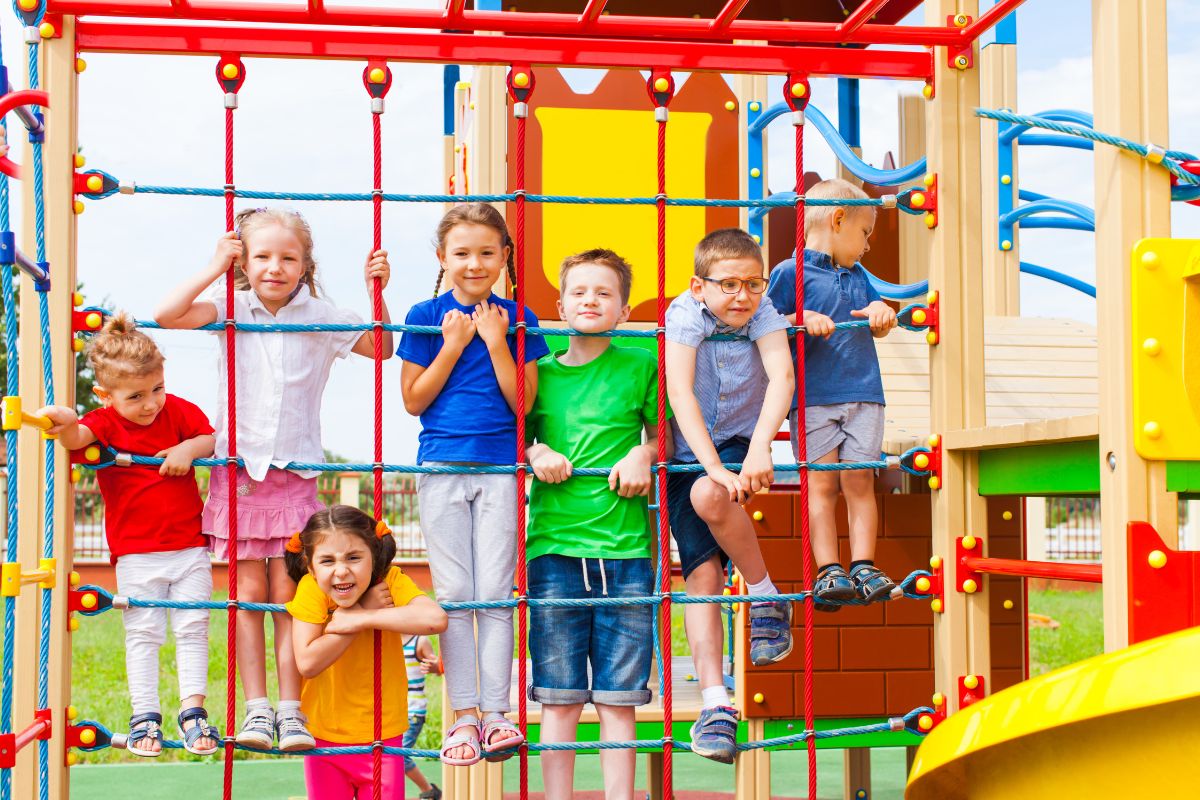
[(817, 259), (452, 302), (302, 297)]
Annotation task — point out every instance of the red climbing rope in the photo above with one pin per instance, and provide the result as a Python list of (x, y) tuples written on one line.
[(377, 318), (230, 468), (520, 94), (661, 88), (798, 103)]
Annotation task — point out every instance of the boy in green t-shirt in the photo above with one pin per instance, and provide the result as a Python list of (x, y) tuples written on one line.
[(590, 536)]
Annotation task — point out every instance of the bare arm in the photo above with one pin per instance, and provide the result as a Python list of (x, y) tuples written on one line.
[(377, 267), (315, 648), (632, 474), (758, 470), (179, 309), (66, 426), (178, 460), (681, 375), (419, 385), (421, 615)]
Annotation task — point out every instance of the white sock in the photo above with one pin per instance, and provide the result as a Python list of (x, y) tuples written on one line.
[(258, 704), (765, 586), (289, 707), (714, 696)]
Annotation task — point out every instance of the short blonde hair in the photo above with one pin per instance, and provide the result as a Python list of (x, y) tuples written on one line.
[(722, 244), (251, 219), (831, 189), (119, 352), (605, 258)]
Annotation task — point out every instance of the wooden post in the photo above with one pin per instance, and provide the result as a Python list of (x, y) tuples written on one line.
[(914, 239), (1035, 528), (1001, 268), (956, 393), (57, 69), (654, 774), (1129, 74), (856, 772), (348, 488), (748, 88)]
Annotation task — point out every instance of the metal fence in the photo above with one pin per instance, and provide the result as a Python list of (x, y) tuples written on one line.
[(1072, 531), (399, 509)]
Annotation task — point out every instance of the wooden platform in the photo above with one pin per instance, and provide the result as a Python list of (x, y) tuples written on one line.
[(1036, 370)]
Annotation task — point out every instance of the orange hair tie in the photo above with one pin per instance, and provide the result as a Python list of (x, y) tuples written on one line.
[(294, 545), (382, 529)]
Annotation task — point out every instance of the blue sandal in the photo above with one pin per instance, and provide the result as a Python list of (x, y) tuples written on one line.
[(833, 586), (871, 583), (200, 730), (143, 727)]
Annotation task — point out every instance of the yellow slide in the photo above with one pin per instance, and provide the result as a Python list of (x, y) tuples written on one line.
[(1121, 725)]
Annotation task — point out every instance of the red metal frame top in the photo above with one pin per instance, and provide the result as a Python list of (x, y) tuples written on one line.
[(695, 43)]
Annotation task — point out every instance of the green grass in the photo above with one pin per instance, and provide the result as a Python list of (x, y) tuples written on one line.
[(1080, 634)]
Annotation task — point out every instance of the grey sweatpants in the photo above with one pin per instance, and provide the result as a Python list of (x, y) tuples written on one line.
[(470, 528)]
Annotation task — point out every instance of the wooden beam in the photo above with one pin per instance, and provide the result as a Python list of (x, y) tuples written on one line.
[(1129, 74), (914, 238)]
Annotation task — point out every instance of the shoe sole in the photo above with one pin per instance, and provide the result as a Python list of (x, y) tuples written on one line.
[(253, 741), (289, 746), (837, 594), (775, 659), (878, 593), (720, 758)]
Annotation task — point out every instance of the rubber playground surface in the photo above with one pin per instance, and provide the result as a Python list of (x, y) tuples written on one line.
[(695, 778)]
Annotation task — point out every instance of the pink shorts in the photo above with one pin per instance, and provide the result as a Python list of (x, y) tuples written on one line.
[(268, 512), (349, 777)]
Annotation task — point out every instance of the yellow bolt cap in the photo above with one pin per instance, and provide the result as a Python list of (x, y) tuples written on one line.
[(922, 584), (935, 605), (72, 712), (376, 75), (931, 337), (962, 62), (75, 473), (971, 682), (1151, 347), (727, 591), (730, 105), (1157, 559), (755, 106), (930, 220), (72, 759), (969, 542), (758, 697), (960, 20), (74, 578), (1006, 245), (88, 601), (79, 161), (799, 89), (757, 239), (1152, 430), (929, 180), (1008, 604), (661, 84), (78, 344), (938, 698), (1006, 516), (27, 5), (87, 736), (931, 298), (93, 319), (80, 65), (758, 516), (230, 71), (92, 453), (935, 482), (917, 200), (755, 173), (1150, 259), (969, 586), (1006, 179), (925, 722), (73, 625), (78, 206), (935, 562), (46, 30), (521, 80), (95, 183), (919, 316), (920, 461), (934, 440), (927, 91), (76, 299)]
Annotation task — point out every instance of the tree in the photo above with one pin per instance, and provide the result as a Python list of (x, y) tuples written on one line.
[(85, 400)]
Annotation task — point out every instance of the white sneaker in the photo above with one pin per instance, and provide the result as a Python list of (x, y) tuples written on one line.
[(258, 729), (292, 735)]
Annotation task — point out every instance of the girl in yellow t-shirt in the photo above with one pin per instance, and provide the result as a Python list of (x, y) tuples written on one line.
[(346, 589)]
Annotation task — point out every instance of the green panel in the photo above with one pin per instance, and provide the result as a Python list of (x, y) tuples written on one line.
[(1066, 468), (777, 728), (1183, 477)]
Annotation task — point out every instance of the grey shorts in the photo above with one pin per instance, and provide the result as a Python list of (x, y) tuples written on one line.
[(854, 430)]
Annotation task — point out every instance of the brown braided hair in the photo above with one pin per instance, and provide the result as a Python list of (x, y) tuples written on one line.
[(474, 214)]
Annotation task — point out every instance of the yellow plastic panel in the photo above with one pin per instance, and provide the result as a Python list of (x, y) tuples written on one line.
[(612, 153), (1165, 322)]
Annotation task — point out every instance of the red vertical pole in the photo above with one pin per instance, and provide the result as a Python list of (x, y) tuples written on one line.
[(231, 73), (377, 80), (661, 87), (796, 93), (520, 86)]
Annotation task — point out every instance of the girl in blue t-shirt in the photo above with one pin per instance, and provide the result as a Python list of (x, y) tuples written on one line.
[(463, 385)]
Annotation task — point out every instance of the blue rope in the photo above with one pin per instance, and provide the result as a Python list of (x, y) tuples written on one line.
[(906, 723), (907, 586), (558, 199), (510, 469)]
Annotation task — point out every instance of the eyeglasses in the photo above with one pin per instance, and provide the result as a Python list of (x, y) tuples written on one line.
[(734, 285)]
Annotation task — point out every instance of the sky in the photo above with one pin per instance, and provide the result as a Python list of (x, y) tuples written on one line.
[(305, 126)]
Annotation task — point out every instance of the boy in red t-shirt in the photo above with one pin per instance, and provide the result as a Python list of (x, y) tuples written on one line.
[(152, 523)]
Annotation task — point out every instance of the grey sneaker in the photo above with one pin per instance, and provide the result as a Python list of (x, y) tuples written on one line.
[(770, 632), (291, 732), (432, 793), (258, 729)]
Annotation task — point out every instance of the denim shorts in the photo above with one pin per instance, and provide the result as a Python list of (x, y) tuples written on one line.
[(416, 722), (616, 640), (692, 536)]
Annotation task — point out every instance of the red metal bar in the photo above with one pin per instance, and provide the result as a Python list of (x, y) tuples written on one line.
[(989, 18), (592, 12), (454, 9), (13, 743), (728, 14), (456, 48), (1085, 573), (860, 16), (537, 23)]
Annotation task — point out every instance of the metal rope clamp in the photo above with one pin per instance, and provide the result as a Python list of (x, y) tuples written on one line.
[(796, 92), (231, 74), (1155, 153), (661, 88), (377, 78), (520, 82)]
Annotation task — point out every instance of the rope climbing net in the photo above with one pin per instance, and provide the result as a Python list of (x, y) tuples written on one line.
[(231, 73)]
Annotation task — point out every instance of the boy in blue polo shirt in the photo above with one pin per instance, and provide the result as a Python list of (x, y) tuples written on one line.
[(843, 417)]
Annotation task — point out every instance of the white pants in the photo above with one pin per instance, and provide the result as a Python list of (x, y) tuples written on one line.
[(174, 575)]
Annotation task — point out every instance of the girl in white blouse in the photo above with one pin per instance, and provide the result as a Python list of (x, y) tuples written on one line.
[(280, 381)]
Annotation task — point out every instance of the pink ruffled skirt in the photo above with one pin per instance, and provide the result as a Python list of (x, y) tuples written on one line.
[(268, 512)]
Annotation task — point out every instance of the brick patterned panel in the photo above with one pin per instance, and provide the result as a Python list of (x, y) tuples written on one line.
[(1008, 646), (908, 690), (777, 520), (906, 515), (897, 648), (825, 650), (844, 693), (777, 688)]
